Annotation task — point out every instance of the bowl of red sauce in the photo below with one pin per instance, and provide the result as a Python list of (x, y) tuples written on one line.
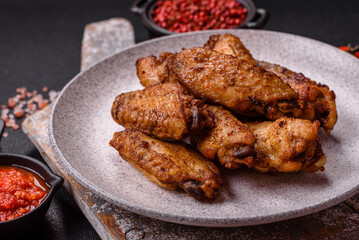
[(165, 17), (27, 187)]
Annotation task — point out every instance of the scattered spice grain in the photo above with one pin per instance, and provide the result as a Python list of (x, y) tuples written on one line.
[(24, 103), (11, 102)]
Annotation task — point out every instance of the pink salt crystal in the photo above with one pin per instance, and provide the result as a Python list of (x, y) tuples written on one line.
[(21, 90), (11, 102), (5, 111), (22, 96), (42, 104), (38, 98), (52, 95), (10, 123), (16, 98), (24, 103), (19, 113), (31, 107)]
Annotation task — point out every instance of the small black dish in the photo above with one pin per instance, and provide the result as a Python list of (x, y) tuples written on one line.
[(29, 220), (256, 18)]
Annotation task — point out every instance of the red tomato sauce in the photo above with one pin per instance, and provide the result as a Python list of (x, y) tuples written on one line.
[(20, 191)]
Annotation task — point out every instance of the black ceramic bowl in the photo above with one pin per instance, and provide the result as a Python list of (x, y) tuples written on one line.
[(256, 18), (27, 221)]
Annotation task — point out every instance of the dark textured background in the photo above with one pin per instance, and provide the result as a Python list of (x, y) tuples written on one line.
[(40, 45)]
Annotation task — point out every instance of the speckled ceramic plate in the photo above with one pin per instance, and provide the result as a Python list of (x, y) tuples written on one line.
[(81, 128)]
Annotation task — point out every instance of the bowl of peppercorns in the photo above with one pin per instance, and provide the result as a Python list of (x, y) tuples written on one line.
[(165, 17)]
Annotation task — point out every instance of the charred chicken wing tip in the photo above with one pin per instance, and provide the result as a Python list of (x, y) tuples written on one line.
[(171, 165)]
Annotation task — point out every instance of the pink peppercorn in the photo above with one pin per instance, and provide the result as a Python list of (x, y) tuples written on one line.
[(193, 15)]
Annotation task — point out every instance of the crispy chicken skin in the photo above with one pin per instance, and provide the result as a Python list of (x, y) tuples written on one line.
[(287, 145), (170, 165), (152, 70), (231, 45), (235, 84), (316, 100), (164, 111), (229, 141)]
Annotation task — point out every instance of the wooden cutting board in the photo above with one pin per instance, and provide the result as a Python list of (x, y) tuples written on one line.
[(102, 39)]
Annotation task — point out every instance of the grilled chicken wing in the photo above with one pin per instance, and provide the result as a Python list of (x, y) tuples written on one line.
[(287, 145), (152, 70), (229, 141), (163, 110), (316, 101), (235, 84), (170, 165)]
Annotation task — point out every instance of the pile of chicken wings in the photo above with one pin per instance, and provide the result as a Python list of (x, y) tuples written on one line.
[(235, 110)]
